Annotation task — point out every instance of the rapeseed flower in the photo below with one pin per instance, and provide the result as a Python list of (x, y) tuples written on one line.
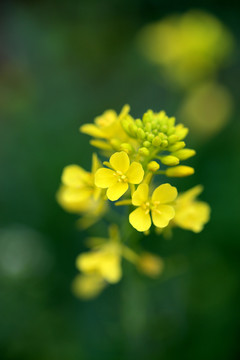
[(78, 193), (191, 214), (160, 205), (121, 174)]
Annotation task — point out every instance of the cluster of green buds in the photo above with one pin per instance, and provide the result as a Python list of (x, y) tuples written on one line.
[(157, 133)]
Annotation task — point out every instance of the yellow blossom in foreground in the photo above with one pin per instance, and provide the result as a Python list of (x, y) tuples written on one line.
[(87, 286), (159, 205), (191, 214), (150, 264), (118, 178), (78, 193)]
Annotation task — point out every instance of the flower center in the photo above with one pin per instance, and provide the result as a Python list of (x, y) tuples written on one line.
[(146, 207), (121, 177)]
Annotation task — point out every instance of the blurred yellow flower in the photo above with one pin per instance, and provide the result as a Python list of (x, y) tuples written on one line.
[(159, 205), (105, 258), (118, 178), (188, 47), (191, 214), (78, 193), (87, 286), (149, 264)]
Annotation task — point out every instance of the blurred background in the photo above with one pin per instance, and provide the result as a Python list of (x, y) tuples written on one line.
[(61, 65)]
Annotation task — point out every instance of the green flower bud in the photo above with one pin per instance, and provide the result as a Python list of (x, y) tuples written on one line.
[(127, 148), (150, 137), (164, 143), (143, 151), (147, 144), (139, 123), (140, 133), (156, 141), (132, 129)]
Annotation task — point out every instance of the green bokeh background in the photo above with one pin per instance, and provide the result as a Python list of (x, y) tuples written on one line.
[(61, 64)]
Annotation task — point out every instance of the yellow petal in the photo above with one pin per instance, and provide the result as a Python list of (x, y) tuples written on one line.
[(92, 130), (140, 220), (120, 161), (135, 173), (162, 215), (190, 194), (105, 178), (140, 196), (115, 191), (164, 193), (75, 176), (111, 268)]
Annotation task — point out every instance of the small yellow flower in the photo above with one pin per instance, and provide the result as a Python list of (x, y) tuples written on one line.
[(162, 212), (118, 178), (87, 286), (78, 193), (107, 131), (191, 214), (104, 262)]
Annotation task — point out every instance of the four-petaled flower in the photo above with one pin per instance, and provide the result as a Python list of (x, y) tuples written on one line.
[(162, 212), (118, 178)]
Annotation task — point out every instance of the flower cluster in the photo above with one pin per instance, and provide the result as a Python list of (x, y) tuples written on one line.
[(140, 152)]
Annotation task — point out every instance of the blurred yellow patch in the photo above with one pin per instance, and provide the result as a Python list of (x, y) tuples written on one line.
[(207, 109), (87, 286), (151, 265), (188, 47)]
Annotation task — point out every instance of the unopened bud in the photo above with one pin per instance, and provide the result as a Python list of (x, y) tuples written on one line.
[(169, 160), (153, 166), (156, 141), (143, 151), (140, 133), (184, 154), (180, 171), (179, 145), (126, 147)]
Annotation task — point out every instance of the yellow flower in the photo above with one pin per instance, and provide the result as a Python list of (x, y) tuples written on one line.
[(189, 213), (104, 261), (108, 128), (150, 264), (78, 193), (162, 212), (118, 178), (87, 286)]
